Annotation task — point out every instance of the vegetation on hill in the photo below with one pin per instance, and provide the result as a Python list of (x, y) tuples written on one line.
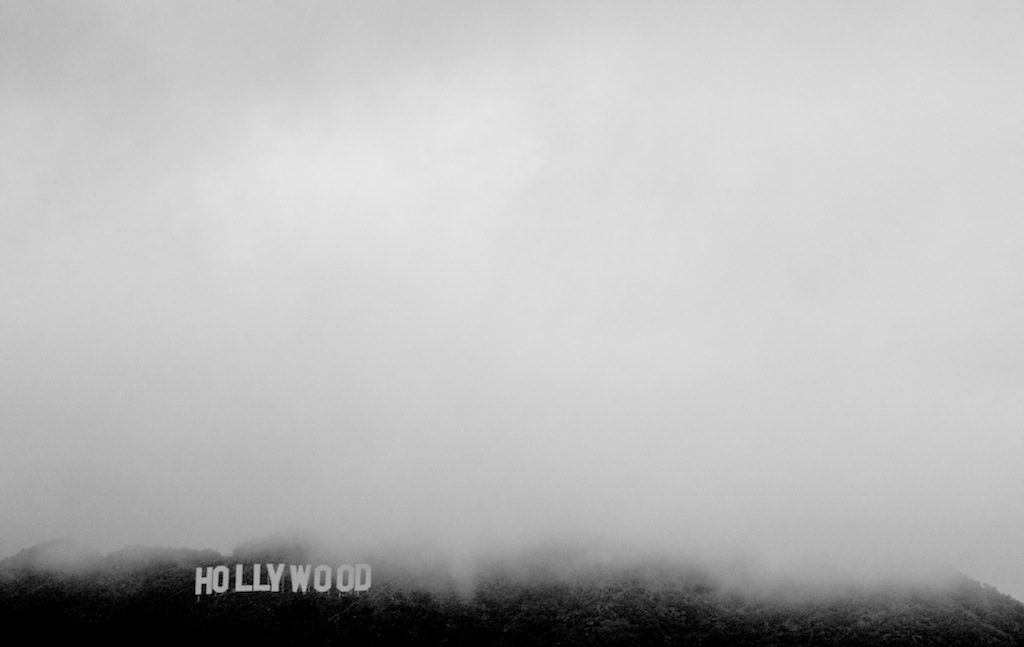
[(137, 594)]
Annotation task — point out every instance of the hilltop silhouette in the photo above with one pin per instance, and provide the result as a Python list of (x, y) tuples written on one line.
[(61, 589)]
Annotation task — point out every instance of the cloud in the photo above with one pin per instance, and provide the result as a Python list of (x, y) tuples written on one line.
[(684, 278)]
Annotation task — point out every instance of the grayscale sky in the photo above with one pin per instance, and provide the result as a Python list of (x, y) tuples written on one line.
[(717, 278)]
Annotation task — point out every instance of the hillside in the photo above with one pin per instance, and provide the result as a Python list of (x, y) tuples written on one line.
[(141, 593)]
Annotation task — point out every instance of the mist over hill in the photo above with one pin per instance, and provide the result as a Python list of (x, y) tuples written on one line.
[(552, 595), (559, 290)]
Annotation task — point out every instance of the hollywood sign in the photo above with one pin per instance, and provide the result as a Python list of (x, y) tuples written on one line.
[(345, 578)]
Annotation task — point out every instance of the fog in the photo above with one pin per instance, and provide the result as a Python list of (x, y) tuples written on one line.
[(726, 281)]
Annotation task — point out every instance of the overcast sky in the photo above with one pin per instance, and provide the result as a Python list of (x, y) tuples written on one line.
[(699, 277)]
